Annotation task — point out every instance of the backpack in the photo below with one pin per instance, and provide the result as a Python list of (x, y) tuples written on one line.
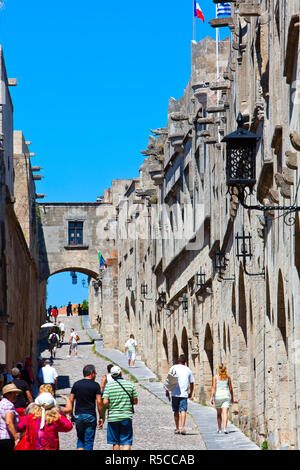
[(53, 338)]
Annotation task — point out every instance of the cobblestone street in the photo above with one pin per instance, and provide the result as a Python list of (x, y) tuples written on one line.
[(153, 419)]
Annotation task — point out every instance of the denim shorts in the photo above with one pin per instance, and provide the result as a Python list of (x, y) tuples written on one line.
[(86, 428), (179, 404), (120, 433)]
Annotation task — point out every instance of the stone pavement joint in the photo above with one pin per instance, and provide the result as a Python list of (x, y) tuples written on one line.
[(205, 417)]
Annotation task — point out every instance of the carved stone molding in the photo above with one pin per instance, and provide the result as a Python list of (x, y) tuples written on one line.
[(291, 160), (288, 176), (285, 189), (249, 10), (295, 140)]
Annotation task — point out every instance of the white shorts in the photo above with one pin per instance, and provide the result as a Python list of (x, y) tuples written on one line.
[(73, 346), (131, 355)]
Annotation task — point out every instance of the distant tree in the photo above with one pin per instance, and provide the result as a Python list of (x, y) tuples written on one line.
[(85, 307)]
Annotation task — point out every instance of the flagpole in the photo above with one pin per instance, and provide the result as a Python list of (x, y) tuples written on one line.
[(217, 54), (194, 23)]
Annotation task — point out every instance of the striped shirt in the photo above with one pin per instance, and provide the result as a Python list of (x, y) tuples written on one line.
[(120, 407), (222, 391)]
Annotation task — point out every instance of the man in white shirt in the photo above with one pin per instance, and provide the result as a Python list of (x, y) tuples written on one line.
[(62, 330), (48, 375), (183, 390), (73, 343), (131, 346)]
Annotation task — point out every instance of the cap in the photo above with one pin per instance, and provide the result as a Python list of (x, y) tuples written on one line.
[(115, 371)]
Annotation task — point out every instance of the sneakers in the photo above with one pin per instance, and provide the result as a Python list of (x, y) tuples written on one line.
[(176, 431), (183, 432), (225, 431), (219, 432)]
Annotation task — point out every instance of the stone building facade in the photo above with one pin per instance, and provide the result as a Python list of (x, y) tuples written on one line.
[(180, 222), (21, 295), (174, 274)]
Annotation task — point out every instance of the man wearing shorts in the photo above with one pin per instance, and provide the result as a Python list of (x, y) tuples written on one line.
[(183, 390), (119, 397), (73, 343), (131, 346), (53, 341), (62, 331)]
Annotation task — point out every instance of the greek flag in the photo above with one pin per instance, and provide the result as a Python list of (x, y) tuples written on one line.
[(101, 261), (223, 9)]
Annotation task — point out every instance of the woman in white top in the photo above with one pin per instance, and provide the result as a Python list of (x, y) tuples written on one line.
[(222, 396)]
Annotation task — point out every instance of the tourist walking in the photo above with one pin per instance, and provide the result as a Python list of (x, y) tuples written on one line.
[(69, 309), (48, 375), (222, 396), (107, 378), (119, 397), (24, 398), (86, 395), (53, 341), (48, 314), (54, 314), (130, 348), (43, 424), (73, 342), (24, 374), (5, 377), (62, 329), (183, 390), (28, 372), (8, 417)]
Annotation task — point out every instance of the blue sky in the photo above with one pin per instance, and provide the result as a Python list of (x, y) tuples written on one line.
[(93, 78)]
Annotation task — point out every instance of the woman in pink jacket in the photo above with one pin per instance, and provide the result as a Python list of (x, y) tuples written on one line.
[(43, 425)]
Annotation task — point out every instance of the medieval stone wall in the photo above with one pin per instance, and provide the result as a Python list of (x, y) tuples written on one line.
[(245, 316)]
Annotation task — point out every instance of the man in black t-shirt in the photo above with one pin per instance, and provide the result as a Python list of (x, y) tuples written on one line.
[(86, 394), (23, 399)]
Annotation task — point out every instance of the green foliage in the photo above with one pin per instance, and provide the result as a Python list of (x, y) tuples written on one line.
[(85, 306), (264, 445)]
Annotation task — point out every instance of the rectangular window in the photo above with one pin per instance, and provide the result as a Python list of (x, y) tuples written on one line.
[(75, 233)]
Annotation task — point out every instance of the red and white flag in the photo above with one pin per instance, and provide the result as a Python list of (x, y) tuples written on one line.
[(198, 12)]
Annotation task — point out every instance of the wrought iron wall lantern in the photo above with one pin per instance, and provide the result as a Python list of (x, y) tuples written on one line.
[(162, 299), (241, 168), (74, 278), (144, 291), (185, 306), (220, 265), (162, 302), (200, 279), (129, 283), (244, 251), (220, 262)]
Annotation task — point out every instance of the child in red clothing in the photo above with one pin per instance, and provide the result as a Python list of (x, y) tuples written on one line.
[(43, 425)]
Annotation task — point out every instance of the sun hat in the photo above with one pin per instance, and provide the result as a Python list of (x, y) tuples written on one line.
[(10, 388), (115, 371), (46, 401)]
